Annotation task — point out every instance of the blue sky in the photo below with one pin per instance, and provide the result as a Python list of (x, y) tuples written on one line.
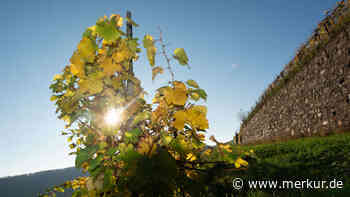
[(236, 48)]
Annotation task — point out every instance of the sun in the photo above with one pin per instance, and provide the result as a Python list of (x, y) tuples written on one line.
[(113, 116)]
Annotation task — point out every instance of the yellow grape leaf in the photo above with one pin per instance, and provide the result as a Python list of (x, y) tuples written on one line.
[(183, 143), (101, 51), (146, 146), (160, 112), (69, 77), (151, 50), (87, 49), (151, 54), (68, 93), (77, 65), (167, 139), (69, 104), (147, 41), (134, 107), (66, 119), (180, 56), (240, 162), (180, 93), (71, 146), (123, 53), (96, 75), (191, 174), (226, 147), (120, 22), (323, 31), (168, 94), (116, 83), (127, 134), (196, 116), (180, 118), (109, 68), (85, 166), (105, 42), (155, 71), (77, 70), (191, 157), (118, 19), (53, 98), (207, 152), (108, 92), (201, 136), (195, 96), (176, 95), (83, 85), (201, 108), (143, 148), (57, 77), (59, 189), (91, 86), (70, 138), (93, 30), (312, 42)]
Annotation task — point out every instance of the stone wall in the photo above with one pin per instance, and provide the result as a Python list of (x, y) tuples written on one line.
[(316, 101)]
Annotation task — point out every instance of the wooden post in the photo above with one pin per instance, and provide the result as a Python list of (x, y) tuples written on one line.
[(129, 85)]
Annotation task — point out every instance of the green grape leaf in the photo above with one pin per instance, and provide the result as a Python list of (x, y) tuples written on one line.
[(95, 172), (180, 56), (82, 156), (95, 162), (76, 193), (58, 189), (201, 93), (141, 117), (107, 179), (92, 85), (133, 45), (112, 151), (130, 156), (107, 30), (132, 136), (88, 33), (192, 83)]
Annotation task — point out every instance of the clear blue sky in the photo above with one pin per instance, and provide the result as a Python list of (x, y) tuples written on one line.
[(236, 48)]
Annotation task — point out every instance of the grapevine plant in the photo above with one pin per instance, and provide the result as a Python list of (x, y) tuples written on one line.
[(129, 147)]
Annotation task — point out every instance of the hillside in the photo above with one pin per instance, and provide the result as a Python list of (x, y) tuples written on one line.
[(30, 185)]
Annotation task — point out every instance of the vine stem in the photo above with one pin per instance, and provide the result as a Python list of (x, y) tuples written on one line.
[(165, 54)]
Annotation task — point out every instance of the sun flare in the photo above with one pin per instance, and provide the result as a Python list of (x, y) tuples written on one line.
[(113, 116)]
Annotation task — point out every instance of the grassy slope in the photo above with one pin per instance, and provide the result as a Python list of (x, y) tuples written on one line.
[(313, 158)]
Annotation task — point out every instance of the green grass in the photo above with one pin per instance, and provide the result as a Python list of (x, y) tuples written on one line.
[(313, 158)]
